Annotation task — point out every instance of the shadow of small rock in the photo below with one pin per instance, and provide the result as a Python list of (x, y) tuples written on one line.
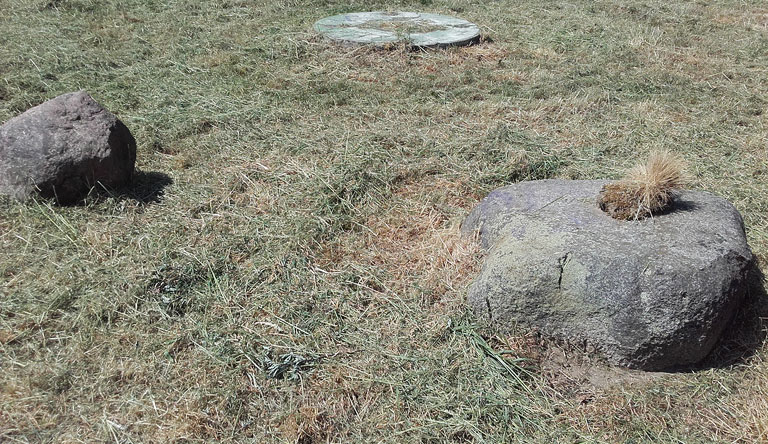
[(145, 188)]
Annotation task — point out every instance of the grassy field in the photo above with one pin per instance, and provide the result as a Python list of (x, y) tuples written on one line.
[(287, 267)]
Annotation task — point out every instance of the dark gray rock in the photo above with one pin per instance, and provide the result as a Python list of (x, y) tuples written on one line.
[(64, 147), (652, 294)]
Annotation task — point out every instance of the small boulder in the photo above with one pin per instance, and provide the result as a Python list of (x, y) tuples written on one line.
[(652, 294), (63, 148)]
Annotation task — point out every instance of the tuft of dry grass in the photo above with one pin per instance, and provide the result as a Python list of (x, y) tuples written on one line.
[(647, 189)]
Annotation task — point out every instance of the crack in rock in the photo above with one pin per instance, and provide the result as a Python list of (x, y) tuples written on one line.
[(561, 263)]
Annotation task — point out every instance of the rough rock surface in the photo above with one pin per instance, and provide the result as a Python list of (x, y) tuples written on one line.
[(652, 294), (64, 147)]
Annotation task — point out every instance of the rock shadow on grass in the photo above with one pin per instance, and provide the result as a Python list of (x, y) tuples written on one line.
[(146, 187)]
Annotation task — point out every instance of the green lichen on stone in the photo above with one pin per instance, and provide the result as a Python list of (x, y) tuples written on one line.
[(413, 28)]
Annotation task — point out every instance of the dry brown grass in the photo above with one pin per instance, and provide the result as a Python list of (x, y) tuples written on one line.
[(646, 190), (415, 240), (743, 417), (316, 196)]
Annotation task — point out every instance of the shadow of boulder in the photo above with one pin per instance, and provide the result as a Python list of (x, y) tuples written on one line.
[(145, 187), (748, 330)]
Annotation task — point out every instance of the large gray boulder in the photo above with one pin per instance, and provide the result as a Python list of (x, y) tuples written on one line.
[(652, 294), (64, 147)]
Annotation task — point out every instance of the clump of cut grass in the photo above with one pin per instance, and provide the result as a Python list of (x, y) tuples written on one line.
[(646, 190)]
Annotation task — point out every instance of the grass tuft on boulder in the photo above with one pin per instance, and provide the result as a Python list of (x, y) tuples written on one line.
[(646, 190)]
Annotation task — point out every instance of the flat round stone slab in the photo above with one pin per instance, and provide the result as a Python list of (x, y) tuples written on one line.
[(415, 28)]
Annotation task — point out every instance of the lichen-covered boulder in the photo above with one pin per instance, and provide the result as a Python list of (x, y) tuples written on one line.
[(63, 148), (652, 294)]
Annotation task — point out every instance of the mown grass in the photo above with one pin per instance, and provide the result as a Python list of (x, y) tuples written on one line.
[(298, 204)]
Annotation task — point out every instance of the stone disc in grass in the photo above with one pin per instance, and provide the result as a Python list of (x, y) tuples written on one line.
[(414, 28)]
